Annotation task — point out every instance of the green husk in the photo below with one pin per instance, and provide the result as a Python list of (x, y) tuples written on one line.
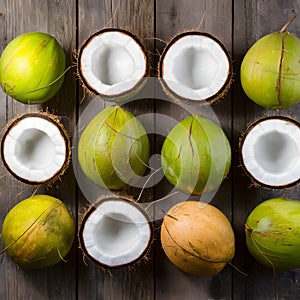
[(270, 71), (113, 150), (38, 232), (32, 67), (272, 233), (196, 155)]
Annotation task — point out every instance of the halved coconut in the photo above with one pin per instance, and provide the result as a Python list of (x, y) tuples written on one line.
[(195, 66), (35, 148), (270, 152), (112, 62), (115, 233)]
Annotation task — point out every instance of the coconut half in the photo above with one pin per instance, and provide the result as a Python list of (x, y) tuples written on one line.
[(112, 62), (195, 66), (115, 233), (36, 148), (270, 152)]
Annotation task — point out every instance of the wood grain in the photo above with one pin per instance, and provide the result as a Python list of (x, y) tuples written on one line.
[(19, 17), (174, 17), (238, 24), (137, 17), (252, 20)]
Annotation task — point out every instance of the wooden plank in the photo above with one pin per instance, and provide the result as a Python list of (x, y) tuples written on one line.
[(213, 17), (56, 18), (137, 17), (252, 20), (156, 279)]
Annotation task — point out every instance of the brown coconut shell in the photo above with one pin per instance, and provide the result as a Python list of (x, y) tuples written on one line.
[(57, 122), (90, 209), (116, 97), (173, 95), (255, 182)]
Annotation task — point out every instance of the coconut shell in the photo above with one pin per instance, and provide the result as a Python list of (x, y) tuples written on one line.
[(254, 181), (90, 210), (65, 135), (115, 97), (172, 94)]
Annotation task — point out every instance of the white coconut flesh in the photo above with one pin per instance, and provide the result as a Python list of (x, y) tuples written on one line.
[(195, 67), (34, 149), (112, 63), (271, 152), (117, 233)]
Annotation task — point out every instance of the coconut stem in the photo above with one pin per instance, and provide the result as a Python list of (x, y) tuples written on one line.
[(283, 29), (140, 195), (110, 21), (156, 39), (236, 268), (248, 228)]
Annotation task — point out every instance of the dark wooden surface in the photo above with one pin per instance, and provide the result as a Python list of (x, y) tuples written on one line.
[(238, 23)]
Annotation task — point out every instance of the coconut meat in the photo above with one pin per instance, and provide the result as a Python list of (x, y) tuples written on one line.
[(116, 233), (112, 62), (271, 152), (195, 67), (34, 149)]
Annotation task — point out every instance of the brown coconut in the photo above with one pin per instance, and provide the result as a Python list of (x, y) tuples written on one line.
[(197, 238)]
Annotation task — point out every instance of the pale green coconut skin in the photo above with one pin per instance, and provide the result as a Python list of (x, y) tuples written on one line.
[(196, 155), (270, 71), (31, 61), (38, 232), (113, 150), (273, 233)]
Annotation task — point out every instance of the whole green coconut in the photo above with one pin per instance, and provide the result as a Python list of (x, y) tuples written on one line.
[(273, 233), (113, 150), (270, 71), (196, 155), (31, 67), (38, 232)]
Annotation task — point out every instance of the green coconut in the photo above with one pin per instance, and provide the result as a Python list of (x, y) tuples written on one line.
[(270, 71), (272, 233), (38, 232), (32, 67), (196, 155), (113, 150)]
